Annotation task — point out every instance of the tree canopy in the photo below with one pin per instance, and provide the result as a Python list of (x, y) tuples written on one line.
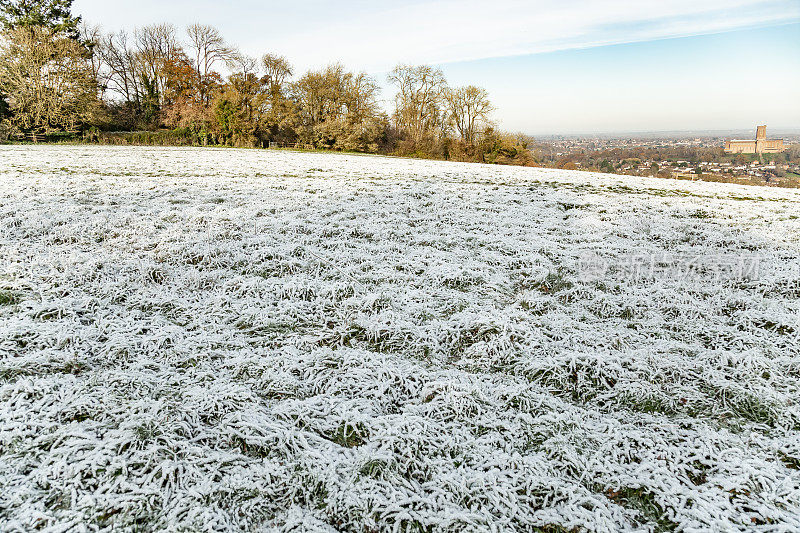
[(47, 79), (53, 14)]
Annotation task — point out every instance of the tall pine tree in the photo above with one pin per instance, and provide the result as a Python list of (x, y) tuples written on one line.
[(53, 14)]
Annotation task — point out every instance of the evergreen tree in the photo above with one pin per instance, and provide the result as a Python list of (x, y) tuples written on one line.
[(53, 14)]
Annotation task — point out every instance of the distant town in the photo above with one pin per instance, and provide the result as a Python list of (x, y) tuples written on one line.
[(711, 157)]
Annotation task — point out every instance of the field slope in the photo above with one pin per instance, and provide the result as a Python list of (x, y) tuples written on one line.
[(249, 340)]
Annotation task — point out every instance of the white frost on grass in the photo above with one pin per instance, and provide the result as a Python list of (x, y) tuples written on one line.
[(234, 340)]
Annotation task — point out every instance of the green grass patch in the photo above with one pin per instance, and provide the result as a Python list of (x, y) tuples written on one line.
[(643, 501), (750, 407), (649, 404), (8, 298), (555, 282), (374, 468), (789, 461), (348, 435)]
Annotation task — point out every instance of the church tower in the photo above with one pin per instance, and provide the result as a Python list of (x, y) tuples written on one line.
[(761, 139)]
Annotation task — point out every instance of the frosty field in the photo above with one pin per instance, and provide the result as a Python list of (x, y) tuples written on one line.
[(240, 340)]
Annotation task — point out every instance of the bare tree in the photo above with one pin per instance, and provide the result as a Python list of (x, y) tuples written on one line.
[(209, 48), (418, 103), (278, 70), (139, 72), (337, 107), (156, 46), (469, 108), (47, 79), (318, 93), (90, 36), (118, 67), (361, 98), (245, 65)]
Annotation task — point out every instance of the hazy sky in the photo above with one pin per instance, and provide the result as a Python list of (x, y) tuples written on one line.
[(550, 66)]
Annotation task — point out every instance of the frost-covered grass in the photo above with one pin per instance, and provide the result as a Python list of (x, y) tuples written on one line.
[(247, 340)]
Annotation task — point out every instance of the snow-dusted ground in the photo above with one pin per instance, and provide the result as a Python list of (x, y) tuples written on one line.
[(251, 340)]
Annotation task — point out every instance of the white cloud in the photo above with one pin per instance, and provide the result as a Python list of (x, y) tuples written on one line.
[(458, 30), (367, 35)]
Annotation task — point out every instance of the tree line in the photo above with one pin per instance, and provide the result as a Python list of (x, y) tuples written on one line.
[(61, 76)]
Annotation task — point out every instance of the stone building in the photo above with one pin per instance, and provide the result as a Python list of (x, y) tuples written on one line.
[(761, 145)]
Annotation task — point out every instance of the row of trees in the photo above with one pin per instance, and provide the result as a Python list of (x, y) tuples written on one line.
[(58, 74)]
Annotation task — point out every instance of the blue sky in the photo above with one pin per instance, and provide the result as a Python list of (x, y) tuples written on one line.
[(679, 84), (550, 66)]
